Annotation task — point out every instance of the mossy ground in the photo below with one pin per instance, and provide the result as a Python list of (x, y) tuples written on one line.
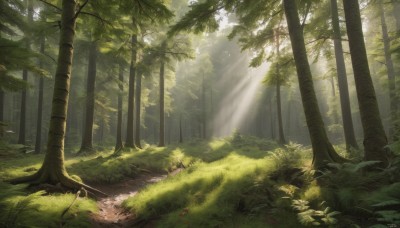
[(234, 182)]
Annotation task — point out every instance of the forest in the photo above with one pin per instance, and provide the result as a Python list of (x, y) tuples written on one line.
[(200, 113)]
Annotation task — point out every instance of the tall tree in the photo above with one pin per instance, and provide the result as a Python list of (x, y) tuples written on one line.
[(38, 142), (323, 150), (161, 142), (22, 114), (374, 135), (131, 89), (87, 137), (349, 135), (119, 145), (138, 108), (393, 131), (53, 169)]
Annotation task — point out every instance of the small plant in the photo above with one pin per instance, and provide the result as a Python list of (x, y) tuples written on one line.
[(311, 217)]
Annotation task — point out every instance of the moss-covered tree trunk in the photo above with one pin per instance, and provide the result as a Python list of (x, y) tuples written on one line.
[(118, 144), (348, 128), (138, 107), (1, 114), (323, 150), (161, 142), (87, 137), (53, 169), (38, 142), (393, 131), (129, 142), (374, 135)]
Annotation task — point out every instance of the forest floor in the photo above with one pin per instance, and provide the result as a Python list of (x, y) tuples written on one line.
[(111, 213)]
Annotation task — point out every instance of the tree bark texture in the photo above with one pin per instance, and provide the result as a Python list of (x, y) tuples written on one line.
[(374, 135), (87, 137), (348, 128), (131, 96), (323, 150)]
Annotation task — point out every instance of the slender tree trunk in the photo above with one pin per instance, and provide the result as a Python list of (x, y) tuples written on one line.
[(323, 150), (53, 170), (1, 114), (281, 137), (38, 143), (119, 144), (204, 113), (396, 14), (132, 72), (272, 120), (374, 135), (138, 107), (180, 129), (393, 131), (87, 137), (349, 135), (161, 142), (22, 120)]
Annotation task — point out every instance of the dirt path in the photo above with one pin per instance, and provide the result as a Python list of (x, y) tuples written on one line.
[(111, 213)]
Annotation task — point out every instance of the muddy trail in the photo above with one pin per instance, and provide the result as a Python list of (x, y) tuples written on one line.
[(111, 213)]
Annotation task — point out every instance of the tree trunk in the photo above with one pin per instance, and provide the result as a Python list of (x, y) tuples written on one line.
[(162, 117), (180, 129), (132, 72), (396, 14), (374, 135), (53, 170), (281, 137), (118, 144), (349, 135), (87, 137), (204, 113), (38, 143), (1, 114), (138, 107), (323, 150), (393, 131)]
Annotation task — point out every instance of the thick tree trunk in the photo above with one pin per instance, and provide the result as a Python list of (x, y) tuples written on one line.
[(38, 143), (323, 150), (393, 131), (87, 137), (138, 107), (53, 170), (118, 144), (132, 72), (349, 135), (161, 142), (374, 135)]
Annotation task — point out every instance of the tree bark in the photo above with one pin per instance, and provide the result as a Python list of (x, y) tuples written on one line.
[(162, 112), (393, 131), (132, 72), (38, 143), (1, 114), (118, 144), (323, 150), (374, 135), (87, 137), (53, 169), (348, 128), (138, 107)]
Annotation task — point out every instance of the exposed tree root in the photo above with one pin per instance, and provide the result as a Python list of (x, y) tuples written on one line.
[(62, 179)]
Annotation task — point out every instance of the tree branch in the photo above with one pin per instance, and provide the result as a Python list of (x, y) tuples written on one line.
[(80, 9), (49, 4)]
